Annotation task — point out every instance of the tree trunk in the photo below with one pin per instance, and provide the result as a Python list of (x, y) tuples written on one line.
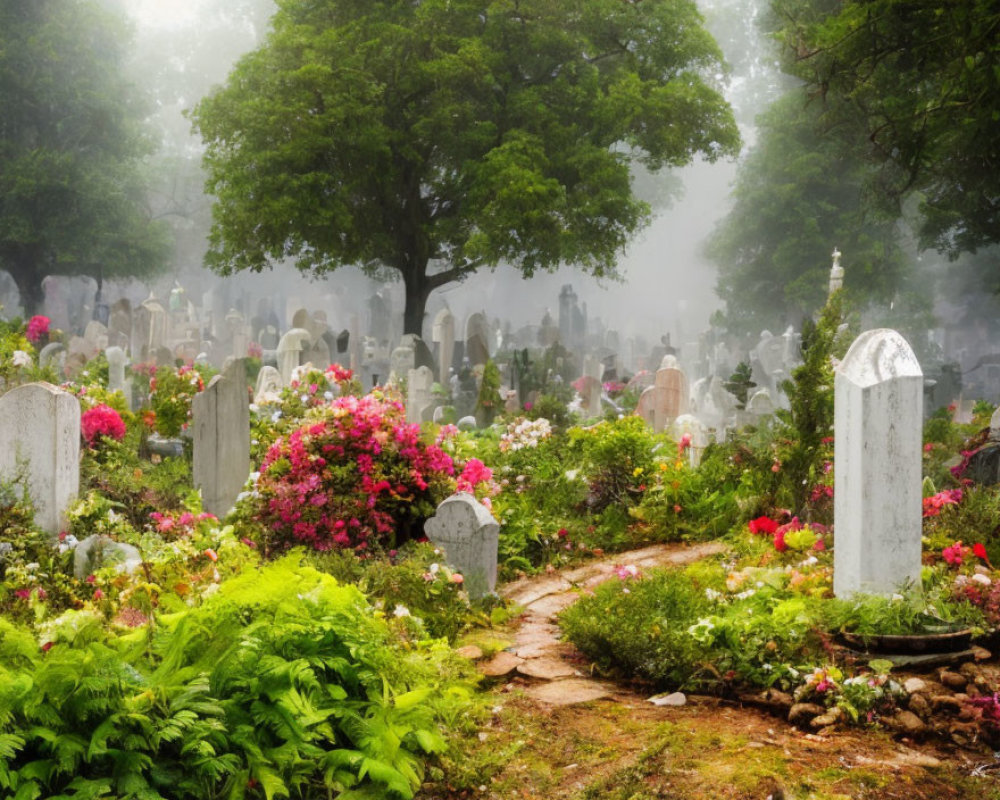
[(418, 289), (24, 270)]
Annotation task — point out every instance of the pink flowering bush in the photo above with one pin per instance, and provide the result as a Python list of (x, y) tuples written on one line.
[(355, 475), (37, 330), (101, 420)]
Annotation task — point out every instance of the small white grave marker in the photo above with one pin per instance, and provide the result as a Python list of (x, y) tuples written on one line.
[(467, 532)]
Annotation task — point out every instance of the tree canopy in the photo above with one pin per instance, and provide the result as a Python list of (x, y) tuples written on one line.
[(799, 193), (924, 76), (440, 137), (71, 148)]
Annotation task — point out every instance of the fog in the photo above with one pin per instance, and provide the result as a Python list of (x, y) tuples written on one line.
[(667, 285)]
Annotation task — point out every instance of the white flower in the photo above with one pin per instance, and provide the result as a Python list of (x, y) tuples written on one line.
[(400, 611), (433, 568), (21, 359), (982, 579)]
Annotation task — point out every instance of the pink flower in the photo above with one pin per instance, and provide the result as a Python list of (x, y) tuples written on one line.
[(98, 594), (101, 420), (955, 553), (38, 327), (684, 443), (456, 577), (779, 541)]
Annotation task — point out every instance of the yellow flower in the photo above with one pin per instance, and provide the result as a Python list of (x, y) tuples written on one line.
[(637, 472)]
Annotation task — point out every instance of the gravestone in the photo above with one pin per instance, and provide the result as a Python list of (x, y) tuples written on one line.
[(269, 386), (646, 407), (590, 395), (467, 532), (419, 395), (477, 339), (54, 355), (289, 352), (760, 404), (98, 551), (40, 431), (671, 388), (221, 438), (116, 373), (443, 335), (878, 397), (402, 359), (690, 425)]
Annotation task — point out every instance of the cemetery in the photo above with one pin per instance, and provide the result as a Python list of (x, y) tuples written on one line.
[(269, 569), (471, 400)]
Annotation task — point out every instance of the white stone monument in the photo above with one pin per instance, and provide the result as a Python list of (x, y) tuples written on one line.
[(418, 393), (469, 535), (40, 433), (221, 438), (877, 464)]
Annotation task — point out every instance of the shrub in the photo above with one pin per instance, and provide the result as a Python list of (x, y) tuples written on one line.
[(284, 683), (101, 421), (357, 475), (170, 394)]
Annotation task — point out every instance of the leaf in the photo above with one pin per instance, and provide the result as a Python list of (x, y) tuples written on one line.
[(412, 698), (270, 781)]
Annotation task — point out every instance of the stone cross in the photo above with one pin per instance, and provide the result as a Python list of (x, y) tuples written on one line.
[(40, 439), (469, 535), (836, 272), (221, 438), (878, 399)]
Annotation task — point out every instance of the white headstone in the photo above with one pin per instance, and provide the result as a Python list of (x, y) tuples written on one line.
[(269, 386), (468, 534), (221, 438), (290, 351), (443, 334), (418, 393), (878, 399), (40, 431), (116, 373)]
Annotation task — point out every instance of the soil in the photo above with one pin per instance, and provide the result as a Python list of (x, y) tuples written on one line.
[(557, 733)]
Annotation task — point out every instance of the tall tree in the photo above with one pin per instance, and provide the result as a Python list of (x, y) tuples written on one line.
[(798, 194), (924, 76), (71, 148), (440, 137)]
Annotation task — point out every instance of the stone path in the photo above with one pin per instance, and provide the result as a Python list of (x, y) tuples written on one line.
[(537, 653)]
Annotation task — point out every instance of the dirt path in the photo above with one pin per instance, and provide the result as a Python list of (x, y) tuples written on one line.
[(558, 734)]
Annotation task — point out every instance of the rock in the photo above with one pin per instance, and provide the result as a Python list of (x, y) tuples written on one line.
[(470, 651), (981, 653), (831, 717), (908, 723), (567, 692), (500, 665), (953, 680), (802, 713), (548, 669), (970, 670), (945, 702), (778, 698), (919, 705), (914, 685), (674, 699)]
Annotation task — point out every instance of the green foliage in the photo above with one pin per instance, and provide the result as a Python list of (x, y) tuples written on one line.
[(921, 79), (489, 403), (740, 383), (283, 684), (797, 194), (810, 396), (617, 458), (373, 136), (72, 146), (640, 626)]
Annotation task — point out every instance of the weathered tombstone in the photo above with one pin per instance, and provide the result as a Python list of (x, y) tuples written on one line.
[(590, 395), (116, 373), (221, 438), (760, 404), (269, 386), (878, 395), (40, 432), (54, 355), (646, 407), (477, 339), (403, 358), (690, 425), (98, 550), (96, 335), (671, 395), (289, 352), (467, 532), (443, 335), (418, 393)]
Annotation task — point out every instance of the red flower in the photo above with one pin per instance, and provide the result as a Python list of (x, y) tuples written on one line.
[(979, 551), (763, 525), (779, 541), (101, 420)]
